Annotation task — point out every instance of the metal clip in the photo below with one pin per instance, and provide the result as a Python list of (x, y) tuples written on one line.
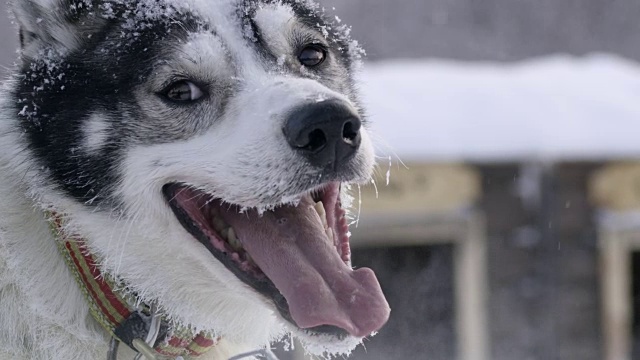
[(143, 349), (146, 348), (265, 354)]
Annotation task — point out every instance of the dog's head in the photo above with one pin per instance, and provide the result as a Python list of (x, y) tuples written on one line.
[(203, 148)]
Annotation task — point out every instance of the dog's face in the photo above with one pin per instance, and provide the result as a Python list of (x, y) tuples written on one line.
[(203, 149)]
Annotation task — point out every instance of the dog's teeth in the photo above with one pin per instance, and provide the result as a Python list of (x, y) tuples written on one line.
[(319, 206), (329, 233), (233, 240), (224, 233)]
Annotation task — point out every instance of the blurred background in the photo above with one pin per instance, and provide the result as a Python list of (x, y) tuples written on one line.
[(504, 219)]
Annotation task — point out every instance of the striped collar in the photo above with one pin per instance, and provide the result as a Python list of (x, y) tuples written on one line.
[(120, 313)]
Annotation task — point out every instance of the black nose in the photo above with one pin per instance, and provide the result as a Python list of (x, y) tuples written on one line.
[(326, 133)]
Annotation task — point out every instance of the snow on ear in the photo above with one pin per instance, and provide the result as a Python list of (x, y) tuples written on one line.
[(49, 22)]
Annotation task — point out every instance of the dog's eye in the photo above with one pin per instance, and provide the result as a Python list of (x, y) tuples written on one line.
[(183, 91), (312, 55)]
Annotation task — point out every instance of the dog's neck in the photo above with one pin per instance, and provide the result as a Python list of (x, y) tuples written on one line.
[(43, 314), (122, 314)]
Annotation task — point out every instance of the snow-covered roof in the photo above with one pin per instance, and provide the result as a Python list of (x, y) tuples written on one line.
[(556, 108)]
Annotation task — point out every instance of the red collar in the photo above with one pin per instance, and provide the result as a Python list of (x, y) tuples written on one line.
[(121, 314)]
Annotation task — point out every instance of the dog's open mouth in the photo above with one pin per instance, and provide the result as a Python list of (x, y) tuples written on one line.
[(297, 256)]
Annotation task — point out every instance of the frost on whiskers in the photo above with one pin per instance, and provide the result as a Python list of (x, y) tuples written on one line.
[(326, 346), (319, 346)]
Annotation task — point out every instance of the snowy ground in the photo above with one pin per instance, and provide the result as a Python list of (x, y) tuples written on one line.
[(556, 108)]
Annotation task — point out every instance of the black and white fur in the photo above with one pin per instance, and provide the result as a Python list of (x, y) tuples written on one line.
[(83, 132)]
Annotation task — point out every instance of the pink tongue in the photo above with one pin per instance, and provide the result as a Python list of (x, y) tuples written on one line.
[(290, 246)]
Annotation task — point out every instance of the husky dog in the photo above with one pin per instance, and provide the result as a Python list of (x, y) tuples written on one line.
[(201, 152)]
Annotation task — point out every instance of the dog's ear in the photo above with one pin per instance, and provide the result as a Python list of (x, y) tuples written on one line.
[(50, 22)]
